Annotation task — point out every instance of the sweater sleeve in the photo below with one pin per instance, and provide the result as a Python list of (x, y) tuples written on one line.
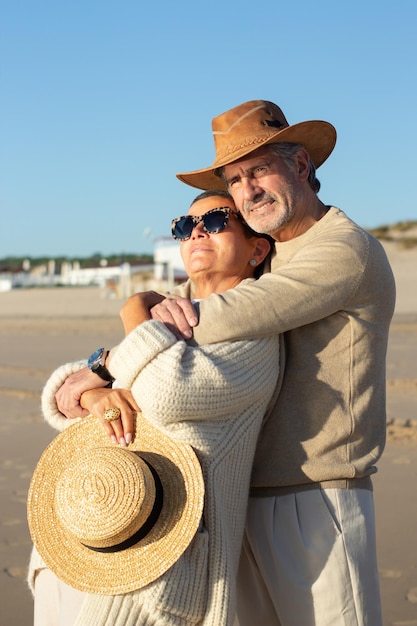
[(316, 283), (50, 410), (173, 381), (334, 267)]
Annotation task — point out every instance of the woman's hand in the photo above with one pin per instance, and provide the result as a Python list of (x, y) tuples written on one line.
[(97, 401)]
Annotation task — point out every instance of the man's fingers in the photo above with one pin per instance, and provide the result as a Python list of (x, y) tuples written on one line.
[(177, 313)]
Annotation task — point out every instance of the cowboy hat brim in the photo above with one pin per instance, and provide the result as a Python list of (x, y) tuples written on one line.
[(317, 137)]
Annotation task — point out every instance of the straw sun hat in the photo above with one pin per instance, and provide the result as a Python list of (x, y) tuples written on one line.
[(111, 520), (251, 125)]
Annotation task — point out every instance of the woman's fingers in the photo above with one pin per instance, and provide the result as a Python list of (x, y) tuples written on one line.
[(120, 430), (100, 401)]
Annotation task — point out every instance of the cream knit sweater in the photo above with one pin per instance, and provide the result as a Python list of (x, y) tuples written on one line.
[(214, 398)]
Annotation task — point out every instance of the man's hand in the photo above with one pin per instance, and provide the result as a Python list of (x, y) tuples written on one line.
[(97, 401), (136, 309), (178, 314), (68, 396)]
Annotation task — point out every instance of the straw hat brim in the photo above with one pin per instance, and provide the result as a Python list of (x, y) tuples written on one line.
[(117, 572), (317, 137)]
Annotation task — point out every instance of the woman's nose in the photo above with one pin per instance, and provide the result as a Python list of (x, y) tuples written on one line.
[(198, 231)]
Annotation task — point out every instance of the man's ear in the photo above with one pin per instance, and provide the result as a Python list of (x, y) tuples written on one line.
[(302, 164)]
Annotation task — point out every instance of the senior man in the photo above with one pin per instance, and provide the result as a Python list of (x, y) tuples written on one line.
[(309, 553)]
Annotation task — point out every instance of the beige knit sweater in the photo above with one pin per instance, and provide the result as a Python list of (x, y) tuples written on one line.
[(213, 398), (331, 293)]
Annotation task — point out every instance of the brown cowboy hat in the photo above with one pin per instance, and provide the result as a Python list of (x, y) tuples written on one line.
[(249, 126), (110, 520)]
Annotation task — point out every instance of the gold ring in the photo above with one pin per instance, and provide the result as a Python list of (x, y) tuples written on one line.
[(112, 414)]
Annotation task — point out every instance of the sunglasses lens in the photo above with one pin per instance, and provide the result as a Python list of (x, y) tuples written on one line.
[(183, 228), (215, 221)]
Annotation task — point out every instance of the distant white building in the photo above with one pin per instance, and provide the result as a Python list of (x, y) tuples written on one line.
[(168, 261), (166, 270), (6, 284)]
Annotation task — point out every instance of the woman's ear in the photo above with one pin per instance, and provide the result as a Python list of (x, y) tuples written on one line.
[(261, 250)]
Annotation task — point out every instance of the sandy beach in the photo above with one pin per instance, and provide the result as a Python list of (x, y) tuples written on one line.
[(42, 328)]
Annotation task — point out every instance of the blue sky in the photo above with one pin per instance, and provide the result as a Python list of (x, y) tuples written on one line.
[(103, 101)]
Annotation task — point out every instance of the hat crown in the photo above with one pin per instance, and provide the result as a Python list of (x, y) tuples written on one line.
[(249, 124), (158, 471), (105, 498), (245, 128)]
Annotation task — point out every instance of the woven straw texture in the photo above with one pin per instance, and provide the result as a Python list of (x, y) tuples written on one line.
[(70, 502)]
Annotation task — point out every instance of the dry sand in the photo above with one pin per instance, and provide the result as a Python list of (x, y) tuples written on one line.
[(40, 329)]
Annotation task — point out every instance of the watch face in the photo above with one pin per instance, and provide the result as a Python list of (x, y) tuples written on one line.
[(95, 358)]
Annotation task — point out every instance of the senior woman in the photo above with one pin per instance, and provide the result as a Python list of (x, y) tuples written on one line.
[(211, 397)]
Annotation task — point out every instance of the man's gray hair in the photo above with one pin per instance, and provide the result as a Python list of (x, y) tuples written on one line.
[(287, 152)]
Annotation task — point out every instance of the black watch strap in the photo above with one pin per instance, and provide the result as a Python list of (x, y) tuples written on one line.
[(103, 372), (96, 364)]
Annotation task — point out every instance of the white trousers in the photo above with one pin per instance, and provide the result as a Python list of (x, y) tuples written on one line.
[(309, 559), (56, 603)]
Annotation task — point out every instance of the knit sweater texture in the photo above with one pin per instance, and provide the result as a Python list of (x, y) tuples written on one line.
[(331, 293), (213, 397)]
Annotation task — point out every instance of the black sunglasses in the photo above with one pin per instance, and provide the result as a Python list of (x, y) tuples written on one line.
[(214, 222)]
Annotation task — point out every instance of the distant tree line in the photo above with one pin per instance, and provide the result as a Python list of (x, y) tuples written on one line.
[(399, 232), (19, 264)]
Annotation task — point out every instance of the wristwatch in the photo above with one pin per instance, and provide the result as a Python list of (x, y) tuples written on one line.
[(96, 364)]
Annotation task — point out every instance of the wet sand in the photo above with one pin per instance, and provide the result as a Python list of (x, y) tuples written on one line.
[(40, 329)]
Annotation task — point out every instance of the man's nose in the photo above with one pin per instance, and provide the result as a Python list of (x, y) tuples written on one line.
[(250, 188)]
